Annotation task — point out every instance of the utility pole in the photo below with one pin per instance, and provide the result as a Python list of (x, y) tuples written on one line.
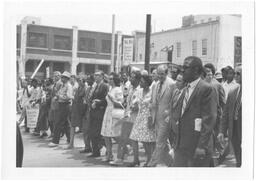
[(113, 45), (147, 44)]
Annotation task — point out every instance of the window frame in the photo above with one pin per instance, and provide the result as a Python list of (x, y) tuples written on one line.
[(204, 47), (90, 41), (102, 50), (69, 48), (194, 47), (34, 43)]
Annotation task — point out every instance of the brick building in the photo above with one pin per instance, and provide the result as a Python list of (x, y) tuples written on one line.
[(62, 49)]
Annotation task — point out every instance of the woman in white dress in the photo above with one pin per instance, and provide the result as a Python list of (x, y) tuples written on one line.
[(111, 125), (142, 130)]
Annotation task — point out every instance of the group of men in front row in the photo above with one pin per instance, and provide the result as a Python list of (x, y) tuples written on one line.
[(192, 114)]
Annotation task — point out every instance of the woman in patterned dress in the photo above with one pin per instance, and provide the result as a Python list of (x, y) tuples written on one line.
[(111, 125), (141, 131)]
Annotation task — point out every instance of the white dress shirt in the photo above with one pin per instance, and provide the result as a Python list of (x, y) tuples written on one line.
[(228, 87), (192, 86)]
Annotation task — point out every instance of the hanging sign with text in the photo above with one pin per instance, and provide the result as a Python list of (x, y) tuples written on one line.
[(127, 51)]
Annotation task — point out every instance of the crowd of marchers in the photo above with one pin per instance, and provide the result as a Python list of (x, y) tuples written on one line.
[(189, 117)]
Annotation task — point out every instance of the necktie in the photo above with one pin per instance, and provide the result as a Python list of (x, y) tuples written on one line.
[(176, 97), (185, 100), (238, 104), (159, 91)]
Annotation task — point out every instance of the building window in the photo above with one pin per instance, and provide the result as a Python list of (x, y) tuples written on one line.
[(178, 45), (62, 42), (37, 40), (204, 47), (155, 55), (106, 46), (140, 56), (194, 47), (87, 44)]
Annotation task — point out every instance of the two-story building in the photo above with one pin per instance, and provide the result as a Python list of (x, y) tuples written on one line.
[(213, 38), (63, 49)]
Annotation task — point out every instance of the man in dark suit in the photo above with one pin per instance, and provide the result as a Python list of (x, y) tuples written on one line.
[(196, 121), (232, 117), (98, 106), (210, 72), (176, 98)]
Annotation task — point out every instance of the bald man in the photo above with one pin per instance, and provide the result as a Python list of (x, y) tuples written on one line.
[(161, 98)]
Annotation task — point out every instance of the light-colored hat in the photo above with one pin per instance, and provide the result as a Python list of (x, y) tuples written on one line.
[(66, 74), (144, 72), (218, 75)]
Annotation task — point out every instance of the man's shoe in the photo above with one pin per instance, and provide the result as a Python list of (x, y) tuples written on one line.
[(43, 135), (51, 136), (86, 150), (94, 155), (108, 158), (117, 162), (52, 144)]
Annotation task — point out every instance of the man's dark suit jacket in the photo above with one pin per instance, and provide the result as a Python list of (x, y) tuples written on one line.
[(227, 121), (97, 114), (201, 104)]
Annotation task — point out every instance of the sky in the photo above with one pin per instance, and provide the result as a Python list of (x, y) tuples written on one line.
[(126, 23), (97, 16)]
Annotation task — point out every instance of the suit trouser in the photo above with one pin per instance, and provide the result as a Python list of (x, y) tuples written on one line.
[(181, 159), (96, 119), (236, 143), (86, 128), (96, 144), (62, 122), (161, 152)]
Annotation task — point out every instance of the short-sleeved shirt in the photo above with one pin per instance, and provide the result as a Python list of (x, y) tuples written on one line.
[(65, 93)]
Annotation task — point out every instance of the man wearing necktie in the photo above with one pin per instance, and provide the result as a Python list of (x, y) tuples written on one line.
[(97, 110), (195, 118), (161, 96), (232, 117), (176, 98)]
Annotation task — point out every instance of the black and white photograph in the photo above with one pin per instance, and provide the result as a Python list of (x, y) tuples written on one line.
[(144, 90)]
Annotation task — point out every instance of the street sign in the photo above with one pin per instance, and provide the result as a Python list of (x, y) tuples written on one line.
[(127, 51)]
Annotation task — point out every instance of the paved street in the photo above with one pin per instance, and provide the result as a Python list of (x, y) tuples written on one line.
[(38, 154)]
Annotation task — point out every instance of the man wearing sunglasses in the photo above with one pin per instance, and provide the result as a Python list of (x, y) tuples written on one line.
[(232, 117), (198, 111)]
